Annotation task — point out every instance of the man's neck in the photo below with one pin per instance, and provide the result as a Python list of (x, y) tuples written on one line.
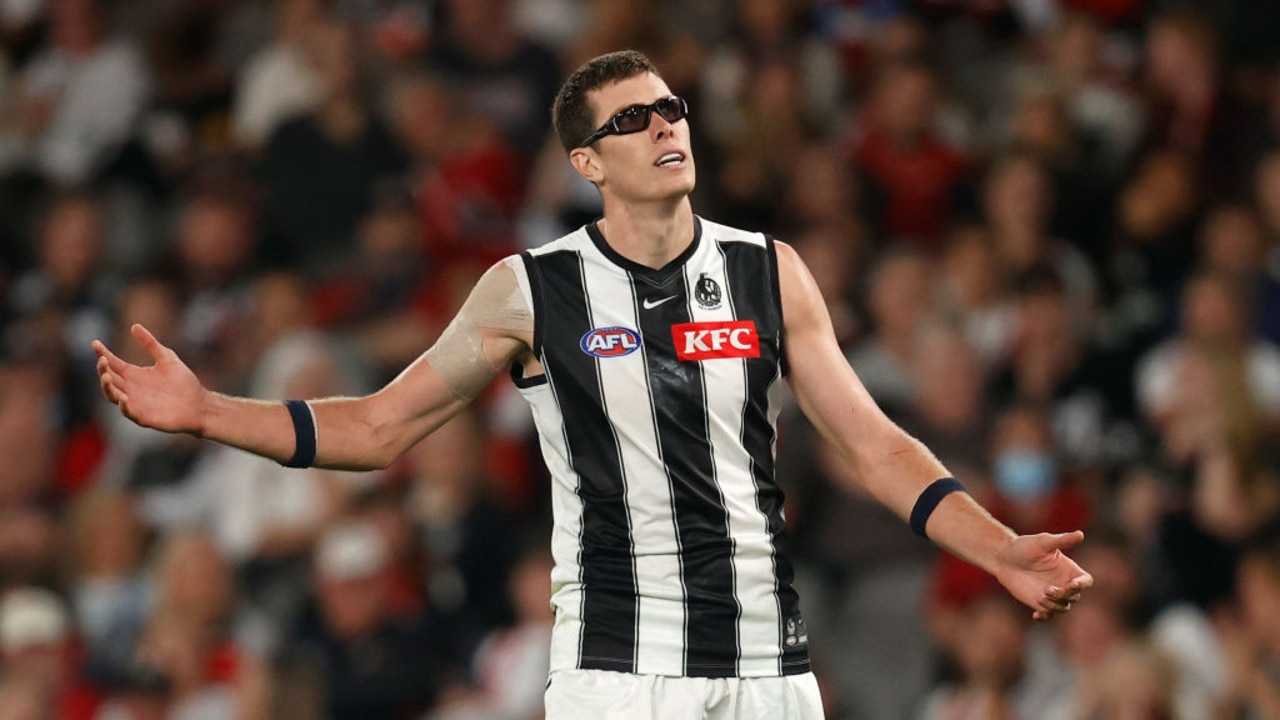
[(652, 234)]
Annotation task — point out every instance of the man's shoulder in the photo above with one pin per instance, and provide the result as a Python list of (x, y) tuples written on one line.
[(570, 241), (719, 232)]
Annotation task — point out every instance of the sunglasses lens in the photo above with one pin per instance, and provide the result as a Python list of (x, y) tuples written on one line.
[(632, 119), (672, 109)]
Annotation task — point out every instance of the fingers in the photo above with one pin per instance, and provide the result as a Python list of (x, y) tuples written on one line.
[(148, 342), (113, 362), (1059, 600), (1049, 609), (111, 382), (1068, 594), (1057, 605), (1081, 582), (106, 380), (1060, 541)]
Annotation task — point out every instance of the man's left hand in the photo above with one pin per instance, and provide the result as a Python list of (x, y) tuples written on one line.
[(1035, 570)]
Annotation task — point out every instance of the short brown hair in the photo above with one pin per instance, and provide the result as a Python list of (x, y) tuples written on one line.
[(572, 113)]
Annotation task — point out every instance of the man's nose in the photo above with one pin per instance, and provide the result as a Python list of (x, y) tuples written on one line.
[(659, 126)]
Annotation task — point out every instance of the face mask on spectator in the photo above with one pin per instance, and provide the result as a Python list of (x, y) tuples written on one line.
[(1025, 475)]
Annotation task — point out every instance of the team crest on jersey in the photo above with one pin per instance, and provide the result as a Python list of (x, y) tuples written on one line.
[(707, 292), (797, 632), (613, 341)]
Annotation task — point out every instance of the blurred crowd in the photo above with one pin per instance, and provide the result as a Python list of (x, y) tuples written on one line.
[(1048, 232)]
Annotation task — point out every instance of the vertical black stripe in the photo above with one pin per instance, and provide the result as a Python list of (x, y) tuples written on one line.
[(535, 293), (702, 521), (775, 289), (637, 298), (745, 265), (610, 604)]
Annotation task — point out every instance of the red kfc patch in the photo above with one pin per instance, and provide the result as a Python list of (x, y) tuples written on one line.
[(712, 340)]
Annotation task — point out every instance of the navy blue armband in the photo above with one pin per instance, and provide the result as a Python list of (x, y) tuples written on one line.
[(928, 501), (304, 430)]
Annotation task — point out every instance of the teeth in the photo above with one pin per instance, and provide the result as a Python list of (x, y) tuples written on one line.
[(670, 158)]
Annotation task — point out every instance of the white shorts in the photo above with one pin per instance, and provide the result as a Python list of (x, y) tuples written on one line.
[(607, 695)]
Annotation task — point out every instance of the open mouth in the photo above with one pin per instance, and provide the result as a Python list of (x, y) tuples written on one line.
[(670, 159)]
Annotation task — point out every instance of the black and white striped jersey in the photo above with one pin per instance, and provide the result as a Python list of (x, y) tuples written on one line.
[(657, 414)]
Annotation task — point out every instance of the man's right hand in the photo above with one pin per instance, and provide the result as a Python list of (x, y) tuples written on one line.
[(166, 396)]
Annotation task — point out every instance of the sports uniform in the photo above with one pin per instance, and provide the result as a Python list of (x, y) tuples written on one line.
[(656, 409)]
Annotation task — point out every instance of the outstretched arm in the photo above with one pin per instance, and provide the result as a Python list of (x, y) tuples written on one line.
[(352, 433), (896, 468)]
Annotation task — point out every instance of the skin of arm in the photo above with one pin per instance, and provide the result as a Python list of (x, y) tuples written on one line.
[(895, 467), (360, 433)]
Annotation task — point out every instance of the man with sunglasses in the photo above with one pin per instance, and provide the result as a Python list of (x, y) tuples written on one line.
[(651, 345)]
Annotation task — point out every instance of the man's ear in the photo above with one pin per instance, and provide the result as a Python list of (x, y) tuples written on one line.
[(587, 163)]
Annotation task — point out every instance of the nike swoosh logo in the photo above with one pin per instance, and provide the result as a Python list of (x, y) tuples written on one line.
[(651, 305)]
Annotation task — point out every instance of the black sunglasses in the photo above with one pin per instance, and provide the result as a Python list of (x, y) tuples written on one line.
[(636, 118)]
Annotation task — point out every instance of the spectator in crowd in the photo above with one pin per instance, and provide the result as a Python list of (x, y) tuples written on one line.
[(1267, 193), (987, 644), (506, 77), (950, 412), (1137, 680), (58, 304), (189, 639), (24, 699), (1176, 378), (1080, 69), (465, 531), (836, 251), (510, 667), (318, 171), (279, 82), (1195, 108), (1233, 244), (366, 659), (1252, 636), (899, 297), (971, 294), (1052, 363), (1017, 202), (66, 285), (380, 297), (38, 654), (28, 442), (466, 178), (913, 177), (1078, 205), (1153, 248), (767, 32), (110, 591), (80, 99)]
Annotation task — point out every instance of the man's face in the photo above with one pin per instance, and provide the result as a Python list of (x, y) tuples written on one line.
[(353, 607), (631, 167)]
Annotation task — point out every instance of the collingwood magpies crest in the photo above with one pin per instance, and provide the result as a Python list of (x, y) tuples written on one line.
[(707, 292)]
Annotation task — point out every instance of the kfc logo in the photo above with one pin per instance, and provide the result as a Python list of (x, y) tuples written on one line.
[(711, 340)]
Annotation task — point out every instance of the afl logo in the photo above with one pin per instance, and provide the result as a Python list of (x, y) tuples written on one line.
[(608, 342), (707, 292)]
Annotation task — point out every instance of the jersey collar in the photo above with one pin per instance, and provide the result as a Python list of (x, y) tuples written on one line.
[(657, 276)]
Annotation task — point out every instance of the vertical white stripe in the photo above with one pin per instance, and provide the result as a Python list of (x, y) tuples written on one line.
[(725, 379), (566, 538), (660, 613)]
